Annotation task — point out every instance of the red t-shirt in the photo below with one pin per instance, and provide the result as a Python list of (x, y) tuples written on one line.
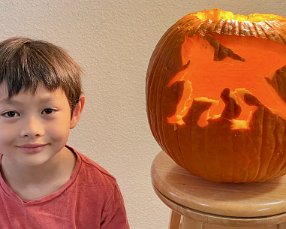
[(90, 199)]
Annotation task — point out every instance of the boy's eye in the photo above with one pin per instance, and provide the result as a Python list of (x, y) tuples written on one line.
[(10, 114), (48, 111)]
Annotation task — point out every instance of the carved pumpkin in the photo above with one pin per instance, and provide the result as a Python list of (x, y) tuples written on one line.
[(216, 93)]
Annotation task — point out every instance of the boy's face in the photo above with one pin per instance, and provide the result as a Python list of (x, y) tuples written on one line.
[(34, 127)]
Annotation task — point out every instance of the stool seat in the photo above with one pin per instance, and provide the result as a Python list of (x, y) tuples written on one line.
[(246, 204)]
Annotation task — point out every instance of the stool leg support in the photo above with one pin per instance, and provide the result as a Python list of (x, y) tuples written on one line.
[(180, 222), (175, 220), (187, 223), (282, 226)]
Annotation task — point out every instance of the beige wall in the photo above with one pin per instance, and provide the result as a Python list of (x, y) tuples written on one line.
[(113, 40)]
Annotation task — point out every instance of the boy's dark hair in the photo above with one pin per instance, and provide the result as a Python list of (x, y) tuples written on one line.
[(26, 63)]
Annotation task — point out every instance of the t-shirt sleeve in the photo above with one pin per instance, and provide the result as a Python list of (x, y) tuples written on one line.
[(114, 213)]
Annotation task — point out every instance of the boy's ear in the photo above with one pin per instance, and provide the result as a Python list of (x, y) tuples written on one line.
[(77, 111)]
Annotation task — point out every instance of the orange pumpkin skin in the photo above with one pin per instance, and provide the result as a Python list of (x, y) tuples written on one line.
[(216, 93)]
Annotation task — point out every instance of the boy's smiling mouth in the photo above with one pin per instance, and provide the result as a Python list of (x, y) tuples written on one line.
[(32, 148)]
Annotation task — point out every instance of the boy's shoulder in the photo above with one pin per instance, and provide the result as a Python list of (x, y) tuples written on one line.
[(90, 172)]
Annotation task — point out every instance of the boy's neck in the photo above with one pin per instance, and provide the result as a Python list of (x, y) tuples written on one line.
[(38, 181)]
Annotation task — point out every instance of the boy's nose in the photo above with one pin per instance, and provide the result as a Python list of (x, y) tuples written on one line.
[(32, 127)]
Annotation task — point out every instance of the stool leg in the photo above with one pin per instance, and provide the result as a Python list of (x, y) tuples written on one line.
[(175, 220), (281, 226), (188, 223)]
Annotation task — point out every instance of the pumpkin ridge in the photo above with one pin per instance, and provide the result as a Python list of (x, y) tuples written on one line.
[(179, 139), (161, 127), (227, 27), (200, 28), (224, 27), (272, 151), (279, 127), (252, 30), (258, 131), (279, 130), (204, 152), (150, 84), (269, 125), (272, 158), (257, 31), (156, 86), (218, 26), (177, 131), (186, 142), (207, 27), (180, 146), (236, 155), (262, 33), (263, 29), (179, 43), (262, 153), (247, 28), (277, 36)]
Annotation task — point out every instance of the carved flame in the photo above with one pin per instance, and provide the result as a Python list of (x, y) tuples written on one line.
[(242, 71)]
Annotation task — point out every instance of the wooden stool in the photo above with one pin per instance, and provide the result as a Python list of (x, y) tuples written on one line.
[(197, 203)]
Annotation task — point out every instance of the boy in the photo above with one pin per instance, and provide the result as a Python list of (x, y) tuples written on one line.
[(43, 182)]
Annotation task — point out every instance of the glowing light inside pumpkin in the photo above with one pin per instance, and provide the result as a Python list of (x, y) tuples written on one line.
[(216, 14), (204, 79)]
